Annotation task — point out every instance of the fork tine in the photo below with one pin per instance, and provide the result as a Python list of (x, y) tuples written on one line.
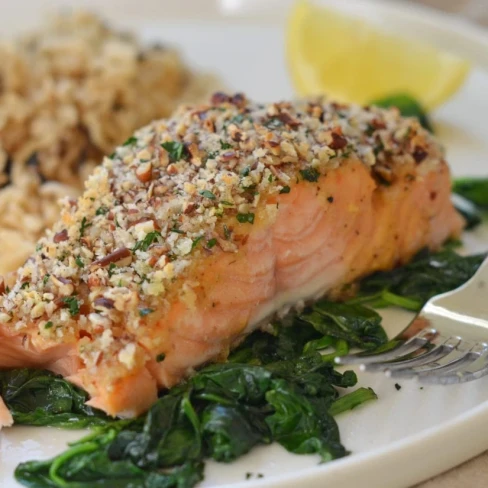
[(437, 370), (453, 373), (438, 352), (414, 344), (459, 377)]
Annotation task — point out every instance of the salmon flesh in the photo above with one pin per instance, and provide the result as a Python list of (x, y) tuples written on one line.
[(202, 226)]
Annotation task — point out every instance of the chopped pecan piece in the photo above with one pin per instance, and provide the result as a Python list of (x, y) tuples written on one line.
[(219, 97), (338, 142), (144, 172), (103, 302), (114, 257), (419, 154), (60, 236), (288, 120)]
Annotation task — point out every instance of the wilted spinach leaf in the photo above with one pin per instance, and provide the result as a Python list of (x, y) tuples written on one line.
[(359, 326), (473, 189), (470, 197), (470, 212), (37, 397), (427, 275), (352, 400), (298, 426), (229, 432)]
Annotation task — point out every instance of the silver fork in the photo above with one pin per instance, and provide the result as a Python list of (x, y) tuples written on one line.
[(446, 343)]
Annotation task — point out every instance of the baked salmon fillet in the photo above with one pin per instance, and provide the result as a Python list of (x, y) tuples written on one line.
[(201, 227)]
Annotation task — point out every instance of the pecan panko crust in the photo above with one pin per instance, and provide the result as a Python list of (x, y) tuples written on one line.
[(179, 190)]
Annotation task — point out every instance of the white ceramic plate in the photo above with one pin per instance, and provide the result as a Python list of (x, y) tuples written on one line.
[(407, 435)]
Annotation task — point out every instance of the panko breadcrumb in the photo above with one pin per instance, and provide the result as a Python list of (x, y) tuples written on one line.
[(69, 94)]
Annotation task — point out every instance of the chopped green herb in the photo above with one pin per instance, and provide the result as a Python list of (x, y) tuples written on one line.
[(48, 325), (101, 210), (378, 148), (24, 285), (46, 279), (176, 229), (225, 145), (112, 155), (227, 232), (207, 194), (84, 225), (73, 305), (310, 174), (145, 311), (246, 171), (79, 262), (273, 123), (226, 203), (176, 150), (111, 269), (147, 241), (270, 178), (285, 189), (38, 247), (211, 243), (160, 357), (195, 242), (245, 218), (238, 119), (130, 141), (370, 130)]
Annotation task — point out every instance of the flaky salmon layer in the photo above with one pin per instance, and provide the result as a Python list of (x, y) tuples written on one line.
[(202, 227)]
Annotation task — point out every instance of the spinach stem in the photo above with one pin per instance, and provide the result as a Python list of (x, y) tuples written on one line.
[(403, 302), (352, 400), (69, 454)]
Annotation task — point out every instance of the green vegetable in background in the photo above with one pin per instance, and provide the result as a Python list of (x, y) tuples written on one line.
[(408, 106), (36, 397), (474, 190), (470, 212), (470, 197), (427, 275), (358, 325)]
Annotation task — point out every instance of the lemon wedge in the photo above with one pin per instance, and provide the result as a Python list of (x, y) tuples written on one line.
[(352, 61)]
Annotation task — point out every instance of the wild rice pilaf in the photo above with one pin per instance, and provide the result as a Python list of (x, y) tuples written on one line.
[(69, 94)]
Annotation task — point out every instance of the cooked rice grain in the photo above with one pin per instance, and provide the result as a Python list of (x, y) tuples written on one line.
[(69, 94)]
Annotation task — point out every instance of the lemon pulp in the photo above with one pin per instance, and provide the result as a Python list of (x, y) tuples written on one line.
[(352, 61)]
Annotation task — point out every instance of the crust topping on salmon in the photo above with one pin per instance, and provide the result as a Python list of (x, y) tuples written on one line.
[(202, 225)]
